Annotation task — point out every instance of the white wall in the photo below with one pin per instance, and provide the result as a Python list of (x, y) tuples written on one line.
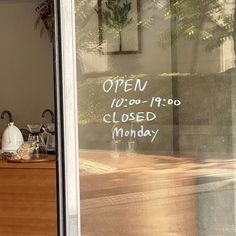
[(26, 64)]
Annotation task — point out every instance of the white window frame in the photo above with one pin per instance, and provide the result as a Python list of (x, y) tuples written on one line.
[(67, 119)]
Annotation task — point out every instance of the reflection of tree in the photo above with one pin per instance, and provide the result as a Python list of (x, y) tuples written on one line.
[(204, 21), (84, 15), (115, 16)]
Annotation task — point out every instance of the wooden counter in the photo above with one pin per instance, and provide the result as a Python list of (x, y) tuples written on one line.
[(28, 199)]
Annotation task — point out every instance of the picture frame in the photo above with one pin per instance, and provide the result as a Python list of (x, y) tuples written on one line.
[(128, 40)]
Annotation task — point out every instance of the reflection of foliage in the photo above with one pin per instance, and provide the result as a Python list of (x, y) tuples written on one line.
[(84, 14), (115, 16), (190, 17), (202, 21)]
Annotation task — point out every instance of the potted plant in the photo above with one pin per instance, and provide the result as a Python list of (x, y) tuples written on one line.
[(45, 12)]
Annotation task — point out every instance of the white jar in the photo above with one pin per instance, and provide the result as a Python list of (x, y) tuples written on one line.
[(12, 138)]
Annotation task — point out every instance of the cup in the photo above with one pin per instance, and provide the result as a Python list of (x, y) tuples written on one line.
[(116, 148), (131, 149)]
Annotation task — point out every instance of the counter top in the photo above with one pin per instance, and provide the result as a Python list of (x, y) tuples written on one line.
[(36, 165)]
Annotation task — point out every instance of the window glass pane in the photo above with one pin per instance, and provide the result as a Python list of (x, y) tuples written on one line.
[(156, 112)]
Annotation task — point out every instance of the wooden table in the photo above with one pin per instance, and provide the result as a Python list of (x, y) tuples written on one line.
[(28, 199)]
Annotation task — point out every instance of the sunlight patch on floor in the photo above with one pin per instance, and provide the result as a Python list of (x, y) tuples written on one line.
[(91, 167)]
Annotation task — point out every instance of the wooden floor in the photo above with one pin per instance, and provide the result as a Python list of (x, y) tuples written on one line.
[(145, 195)]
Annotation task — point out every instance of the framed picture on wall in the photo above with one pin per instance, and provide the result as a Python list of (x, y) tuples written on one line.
[(119, 26)]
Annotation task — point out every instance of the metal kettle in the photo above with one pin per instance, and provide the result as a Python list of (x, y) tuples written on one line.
[(49, 129)]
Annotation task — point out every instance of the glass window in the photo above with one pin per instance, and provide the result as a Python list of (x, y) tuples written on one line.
[(156, 114)]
